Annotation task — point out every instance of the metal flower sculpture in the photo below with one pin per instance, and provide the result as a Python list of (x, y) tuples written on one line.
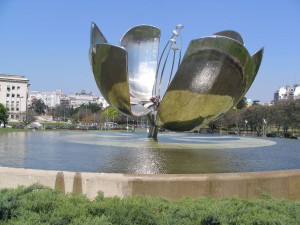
[(213, 75)]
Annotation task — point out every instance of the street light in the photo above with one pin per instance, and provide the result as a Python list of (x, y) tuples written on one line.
[(94, 119), (78, 114), (236, 123), (85, 114), (245, 132), (264, 122), (20, 108)]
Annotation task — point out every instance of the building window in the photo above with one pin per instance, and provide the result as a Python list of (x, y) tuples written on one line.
[(7, 95), (13, 87), (17, 109), (18, 87), (12, 116), (13, 95), (8, 88), (17, 116), (18, 95)]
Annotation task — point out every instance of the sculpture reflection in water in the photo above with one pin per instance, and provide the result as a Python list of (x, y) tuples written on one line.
[(212, 76)]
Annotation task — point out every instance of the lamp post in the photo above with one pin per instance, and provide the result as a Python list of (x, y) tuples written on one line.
[(245, 132), (20, 108), (26, 108), (85, 114), (78, 114), (264, 122), (64, 116), (94, 118), (236, 123)]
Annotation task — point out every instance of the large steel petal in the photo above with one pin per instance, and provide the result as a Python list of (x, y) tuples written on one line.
[(141, 44), (231, 34), (256, 58), (109, 65), (96, 36), (138, 110), (210, 80)]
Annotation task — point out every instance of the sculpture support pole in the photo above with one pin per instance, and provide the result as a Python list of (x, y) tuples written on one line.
[(153, 129)]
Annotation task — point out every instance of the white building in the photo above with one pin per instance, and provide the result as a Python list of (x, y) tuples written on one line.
[(14, 95), (50, 98), (82, 97), (54, 98), (287, 92)]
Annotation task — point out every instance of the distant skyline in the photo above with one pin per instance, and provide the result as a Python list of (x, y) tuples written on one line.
[(47, 41)]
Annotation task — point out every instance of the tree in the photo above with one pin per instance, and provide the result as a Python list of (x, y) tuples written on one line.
[(3, 114), (94, 107), (242, 103), (214, 125), (111, 112), (284, 115), (29, 117), (255, 116), (38, 106), (296, 114), (287, 115), (229, 120)]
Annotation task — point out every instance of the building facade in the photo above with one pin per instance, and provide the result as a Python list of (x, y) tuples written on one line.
[(50, 98), (82, 97), (14, 95), (287, 92), (55, 98)]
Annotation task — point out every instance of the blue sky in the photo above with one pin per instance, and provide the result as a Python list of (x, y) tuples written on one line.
[(48, 41)]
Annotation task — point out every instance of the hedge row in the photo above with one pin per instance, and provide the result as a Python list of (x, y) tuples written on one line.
[(39, 205)]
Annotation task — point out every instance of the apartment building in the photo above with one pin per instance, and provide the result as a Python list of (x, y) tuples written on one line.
[(14, 95), (58, 97), (287, 92), (50, 98)]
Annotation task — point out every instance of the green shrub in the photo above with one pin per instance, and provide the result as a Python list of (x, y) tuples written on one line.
[(39, 205)]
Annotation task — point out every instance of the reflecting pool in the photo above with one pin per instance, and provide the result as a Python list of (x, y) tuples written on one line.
[(134, 153)]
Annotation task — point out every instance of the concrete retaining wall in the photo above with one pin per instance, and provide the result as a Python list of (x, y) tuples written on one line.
[(280, 184)]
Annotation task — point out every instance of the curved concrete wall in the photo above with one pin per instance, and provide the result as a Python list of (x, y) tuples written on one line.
[(280, 184)]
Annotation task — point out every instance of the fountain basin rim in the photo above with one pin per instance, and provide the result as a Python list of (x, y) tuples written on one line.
[(279, 183)]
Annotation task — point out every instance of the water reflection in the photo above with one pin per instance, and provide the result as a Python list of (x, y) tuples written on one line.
[(13, 149), (134, 153)]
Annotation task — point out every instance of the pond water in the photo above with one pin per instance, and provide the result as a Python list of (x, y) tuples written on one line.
[(134, 153)]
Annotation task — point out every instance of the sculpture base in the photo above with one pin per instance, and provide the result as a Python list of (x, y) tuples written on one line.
[(153, 130)]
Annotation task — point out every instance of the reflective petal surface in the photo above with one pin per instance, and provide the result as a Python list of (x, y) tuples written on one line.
[(256, 58), (141, 44), (139, 110), (214, 74), (109, 65), (231, 34), (210, 80), (96, 36)]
